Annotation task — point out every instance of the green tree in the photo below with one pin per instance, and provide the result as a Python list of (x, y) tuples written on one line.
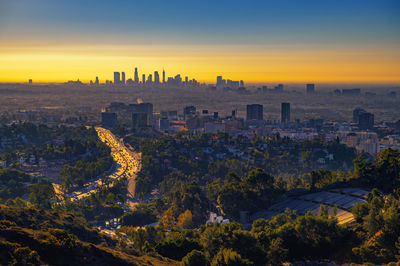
[(195, 258), (140, 216), (42, 194), (228, 257)]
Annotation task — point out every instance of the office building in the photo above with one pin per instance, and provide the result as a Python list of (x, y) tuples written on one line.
[(234, 113), (365, 121), (109, 120), (136, 77), (220, 82), (254, 112), (97, 81), (140, 120), (310, 88), (156, 77), (164, 124), (356, 114), (123, 77), (163, 76), (285, 113), (178, 79), (146, 108), (144, 79), (189, 111), (172, 115), (150, 79), (279, 88), (117, 78)]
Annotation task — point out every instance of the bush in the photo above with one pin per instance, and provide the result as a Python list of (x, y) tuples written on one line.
[(194, 258), (227, 257)]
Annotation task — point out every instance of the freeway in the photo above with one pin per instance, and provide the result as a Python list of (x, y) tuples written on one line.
[(126, 161)]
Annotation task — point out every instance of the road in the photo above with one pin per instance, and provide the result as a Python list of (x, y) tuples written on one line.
[(127, 164)]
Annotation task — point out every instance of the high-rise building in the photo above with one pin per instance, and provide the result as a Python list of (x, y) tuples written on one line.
[(310, 88), (219, 81), (241, 83), (356, 114), (186, 81), (144, 79), (97, 81), (285, 113), (140, 120), (136, 78), (279, 87), (117, 79), (150, 79), (188, 111), (146, 108), (123, 78), (365, 121), (234, 113), (178, 79), (163, 76), (254, 112), (156, 77)]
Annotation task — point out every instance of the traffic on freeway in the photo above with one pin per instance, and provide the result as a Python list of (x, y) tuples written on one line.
[(127, 165)]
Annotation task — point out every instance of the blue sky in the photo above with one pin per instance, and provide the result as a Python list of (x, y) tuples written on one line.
[(207, 21)]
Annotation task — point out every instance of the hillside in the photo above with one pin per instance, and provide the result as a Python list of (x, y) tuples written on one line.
[(28, 235)]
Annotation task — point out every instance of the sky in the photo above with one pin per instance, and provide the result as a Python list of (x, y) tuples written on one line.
[(320, 41)]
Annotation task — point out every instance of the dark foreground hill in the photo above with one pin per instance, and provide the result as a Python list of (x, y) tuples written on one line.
[(31, 236)]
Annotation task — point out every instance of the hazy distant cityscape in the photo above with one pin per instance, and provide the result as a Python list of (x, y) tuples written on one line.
[(352, 115)]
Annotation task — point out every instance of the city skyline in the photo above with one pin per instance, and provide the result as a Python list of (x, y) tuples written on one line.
[(323, 42)]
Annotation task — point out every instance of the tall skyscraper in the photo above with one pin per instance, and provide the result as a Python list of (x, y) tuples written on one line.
[(186, 81), (156, 77), (150, 79), (163, 76), (97, 81), (123, 78), (144, 79), (136, 78), (254, 112), (310, 88), (219, 81), (285, 113), (117, 79)]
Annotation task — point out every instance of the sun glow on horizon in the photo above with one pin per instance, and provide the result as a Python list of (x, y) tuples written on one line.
[(251, 63)]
